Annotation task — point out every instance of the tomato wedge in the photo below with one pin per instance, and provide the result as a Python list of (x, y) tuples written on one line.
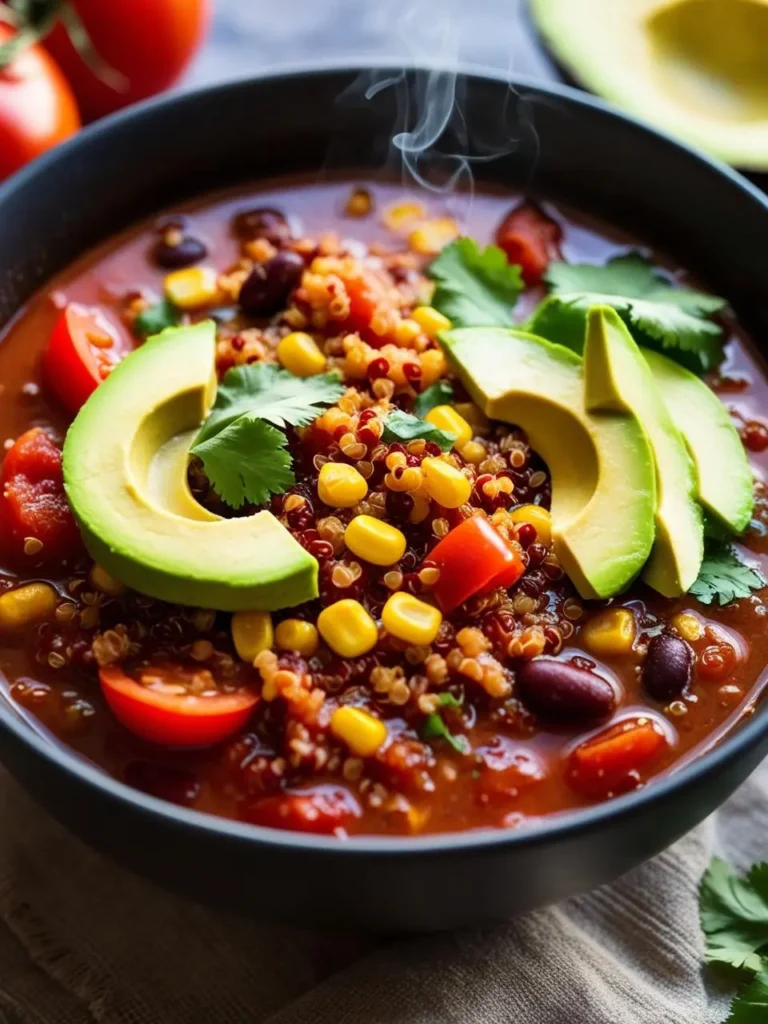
[(158, 714), (531, 239), (83, 348), (609, 764), (472, 558)]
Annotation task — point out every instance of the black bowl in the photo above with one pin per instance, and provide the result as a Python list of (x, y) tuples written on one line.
[(567, 146)]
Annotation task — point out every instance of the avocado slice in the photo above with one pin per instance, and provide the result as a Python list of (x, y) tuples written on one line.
[(725, 485), (695, 68), (603, 483), (616, 376), (125, 473)]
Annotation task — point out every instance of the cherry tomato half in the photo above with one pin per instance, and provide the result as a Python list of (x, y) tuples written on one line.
[(33, 505), (157, 714), (530, 239), (37, 107), (472, 558), (83, 348), (148, 42), (609, 764)]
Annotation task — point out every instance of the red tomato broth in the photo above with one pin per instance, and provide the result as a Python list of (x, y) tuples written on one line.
[(226, 779)]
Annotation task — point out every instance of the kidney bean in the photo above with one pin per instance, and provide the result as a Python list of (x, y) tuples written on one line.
[(184, 253), (262, 222), (667, 668), (267, 287), (564, 692)]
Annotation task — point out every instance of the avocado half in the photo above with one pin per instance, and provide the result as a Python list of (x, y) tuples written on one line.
[(602, 468), (125, 473), (695, 68)]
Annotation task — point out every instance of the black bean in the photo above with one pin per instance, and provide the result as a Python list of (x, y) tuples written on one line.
[(667, 668), (184, 253), (267, 287), (262, 222), (563, 692)]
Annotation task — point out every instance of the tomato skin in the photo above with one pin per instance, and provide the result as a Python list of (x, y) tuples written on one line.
[(530, 239), (320, 810), (471, 558), (37, 107), (174, 720), (73, 367), (149, 42), (33, 502), (609, 764)]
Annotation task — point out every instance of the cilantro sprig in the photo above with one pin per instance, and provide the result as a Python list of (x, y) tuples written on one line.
[(724, 577), (734, 918), (434, 727), (439, 393), (660, 316), (243, 452), (475, 287), (156, 318), (401, 426)]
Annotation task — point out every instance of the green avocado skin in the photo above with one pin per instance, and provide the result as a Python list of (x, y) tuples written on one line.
[(138, 518), (725, 484), (603, 482)]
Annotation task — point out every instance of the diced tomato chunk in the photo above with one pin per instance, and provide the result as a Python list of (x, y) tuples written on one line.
[(321, 810), (531, 239), (472, 558), (610, 763), (506, 769), (33, 505)]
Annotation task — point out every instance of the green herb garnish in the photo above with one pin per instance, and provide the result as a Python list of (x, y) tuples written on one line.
[(724, 577), (401, 426), (734, 918), (475, 287), (434, 728), (244, 457), (662, 317), (439, 393), (156, 318)]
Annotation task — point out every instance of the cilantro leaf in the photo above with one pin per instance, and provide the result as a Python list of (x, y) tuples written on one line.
[(401, 426), (246, 461), (439, 393), (156, 318), (662, 317), (750, 1006), (725, 577), (447, 700), (434, 728), (734, 915), (270, 393), (475, 287)]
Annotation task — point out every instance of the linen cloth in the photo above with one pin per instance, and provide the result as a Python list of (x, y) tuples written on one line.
[(82, 941)]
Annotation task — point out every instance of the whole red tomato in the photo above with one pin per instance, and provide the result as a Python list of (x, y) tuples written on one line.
[(37, 108), (149, 42)]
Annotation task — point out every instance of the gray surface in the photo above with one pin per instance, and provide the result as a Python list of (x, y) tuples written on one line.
[(250, 35)]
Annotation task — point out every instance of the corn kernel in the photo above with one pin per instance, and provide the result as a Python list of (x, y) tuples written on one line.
[(433, 235), (347, 628), (362, 732), (252, 633), (404, 216), (192, 287), (299, 354), (688, 626), (445, 484), (610, 633), (297, 635), (447, 419), (406, 331), (26, 605), (430, 321), (407, 618), (538, 518), (375, 541), (474, 452), (340, 485), (102, 581)]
